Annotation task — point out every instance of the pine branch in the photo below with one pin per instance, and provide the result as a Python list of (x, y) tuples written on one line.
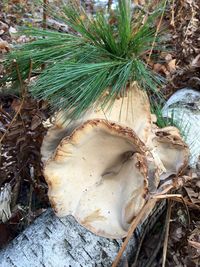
[(82, 65)]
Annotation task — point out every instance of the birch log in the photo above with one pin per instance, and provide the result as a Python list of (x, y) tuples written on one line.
[(184, 108), (61, 242)]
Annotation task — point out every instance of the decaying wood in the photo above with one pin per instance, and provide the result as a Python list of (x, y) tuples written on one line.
[(61, 242)]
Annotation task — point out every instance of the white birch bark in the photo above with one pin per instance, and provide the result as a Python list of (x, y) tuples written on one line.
[(61, 242), (184, 109)]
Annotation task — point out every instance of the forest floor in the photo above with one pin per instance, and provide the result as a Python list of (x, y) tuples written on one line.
[(22, 130)]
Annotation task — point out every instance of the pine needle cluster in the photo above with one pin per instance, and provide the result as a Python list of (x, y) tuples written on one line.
[(101, 53)]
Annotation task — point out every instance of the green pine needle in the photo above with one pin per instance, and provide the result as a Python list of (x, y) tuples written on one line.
[(81, 66)]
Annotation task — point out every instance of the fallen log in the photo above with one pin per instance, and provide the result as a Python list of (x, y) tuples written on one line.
[(184, 108), (61, 242)]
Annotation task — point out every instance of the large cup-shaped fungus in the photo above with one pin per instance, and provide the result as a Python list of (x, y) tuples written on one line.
[(169, 152), (99, 175), (98, 172), (172, 152)]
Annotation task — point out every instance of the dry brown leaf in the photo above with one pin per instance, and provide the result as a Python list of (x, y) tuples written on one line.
[(3, 26), (194, 244), (36, 121), (4, 46), (16, 104), (196, 62), (159, 68), (190, 192), (168, 57), (172, 65), (139, 2)]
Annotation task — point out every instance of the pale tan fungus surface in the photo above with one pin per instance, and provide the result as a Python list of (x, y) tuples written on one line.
[(171, 151), (132, 110), (99, 176)]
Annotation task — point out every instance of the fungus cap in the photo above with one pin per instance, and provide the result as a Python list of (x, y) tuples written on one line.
[(99, 175), (132, 110), (170, 152)]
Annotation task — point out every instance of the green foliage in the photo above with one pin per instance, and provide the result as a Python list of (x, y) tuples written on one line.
[(172, 120), (161, 121), (102, 52)]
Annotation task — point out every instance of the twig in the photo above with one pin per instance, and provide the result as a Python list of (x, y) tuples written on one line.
[(156, 250), (175, 197), (160, 196), (19, 76), (144, 211), (32, 176), (5, 113), (30, 204), (15, 190), (167, 232), (157, 30), (188, 203), (190, 22), (172, 22), (139, 248), (44, 25), (30, 70), (109, 5)]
